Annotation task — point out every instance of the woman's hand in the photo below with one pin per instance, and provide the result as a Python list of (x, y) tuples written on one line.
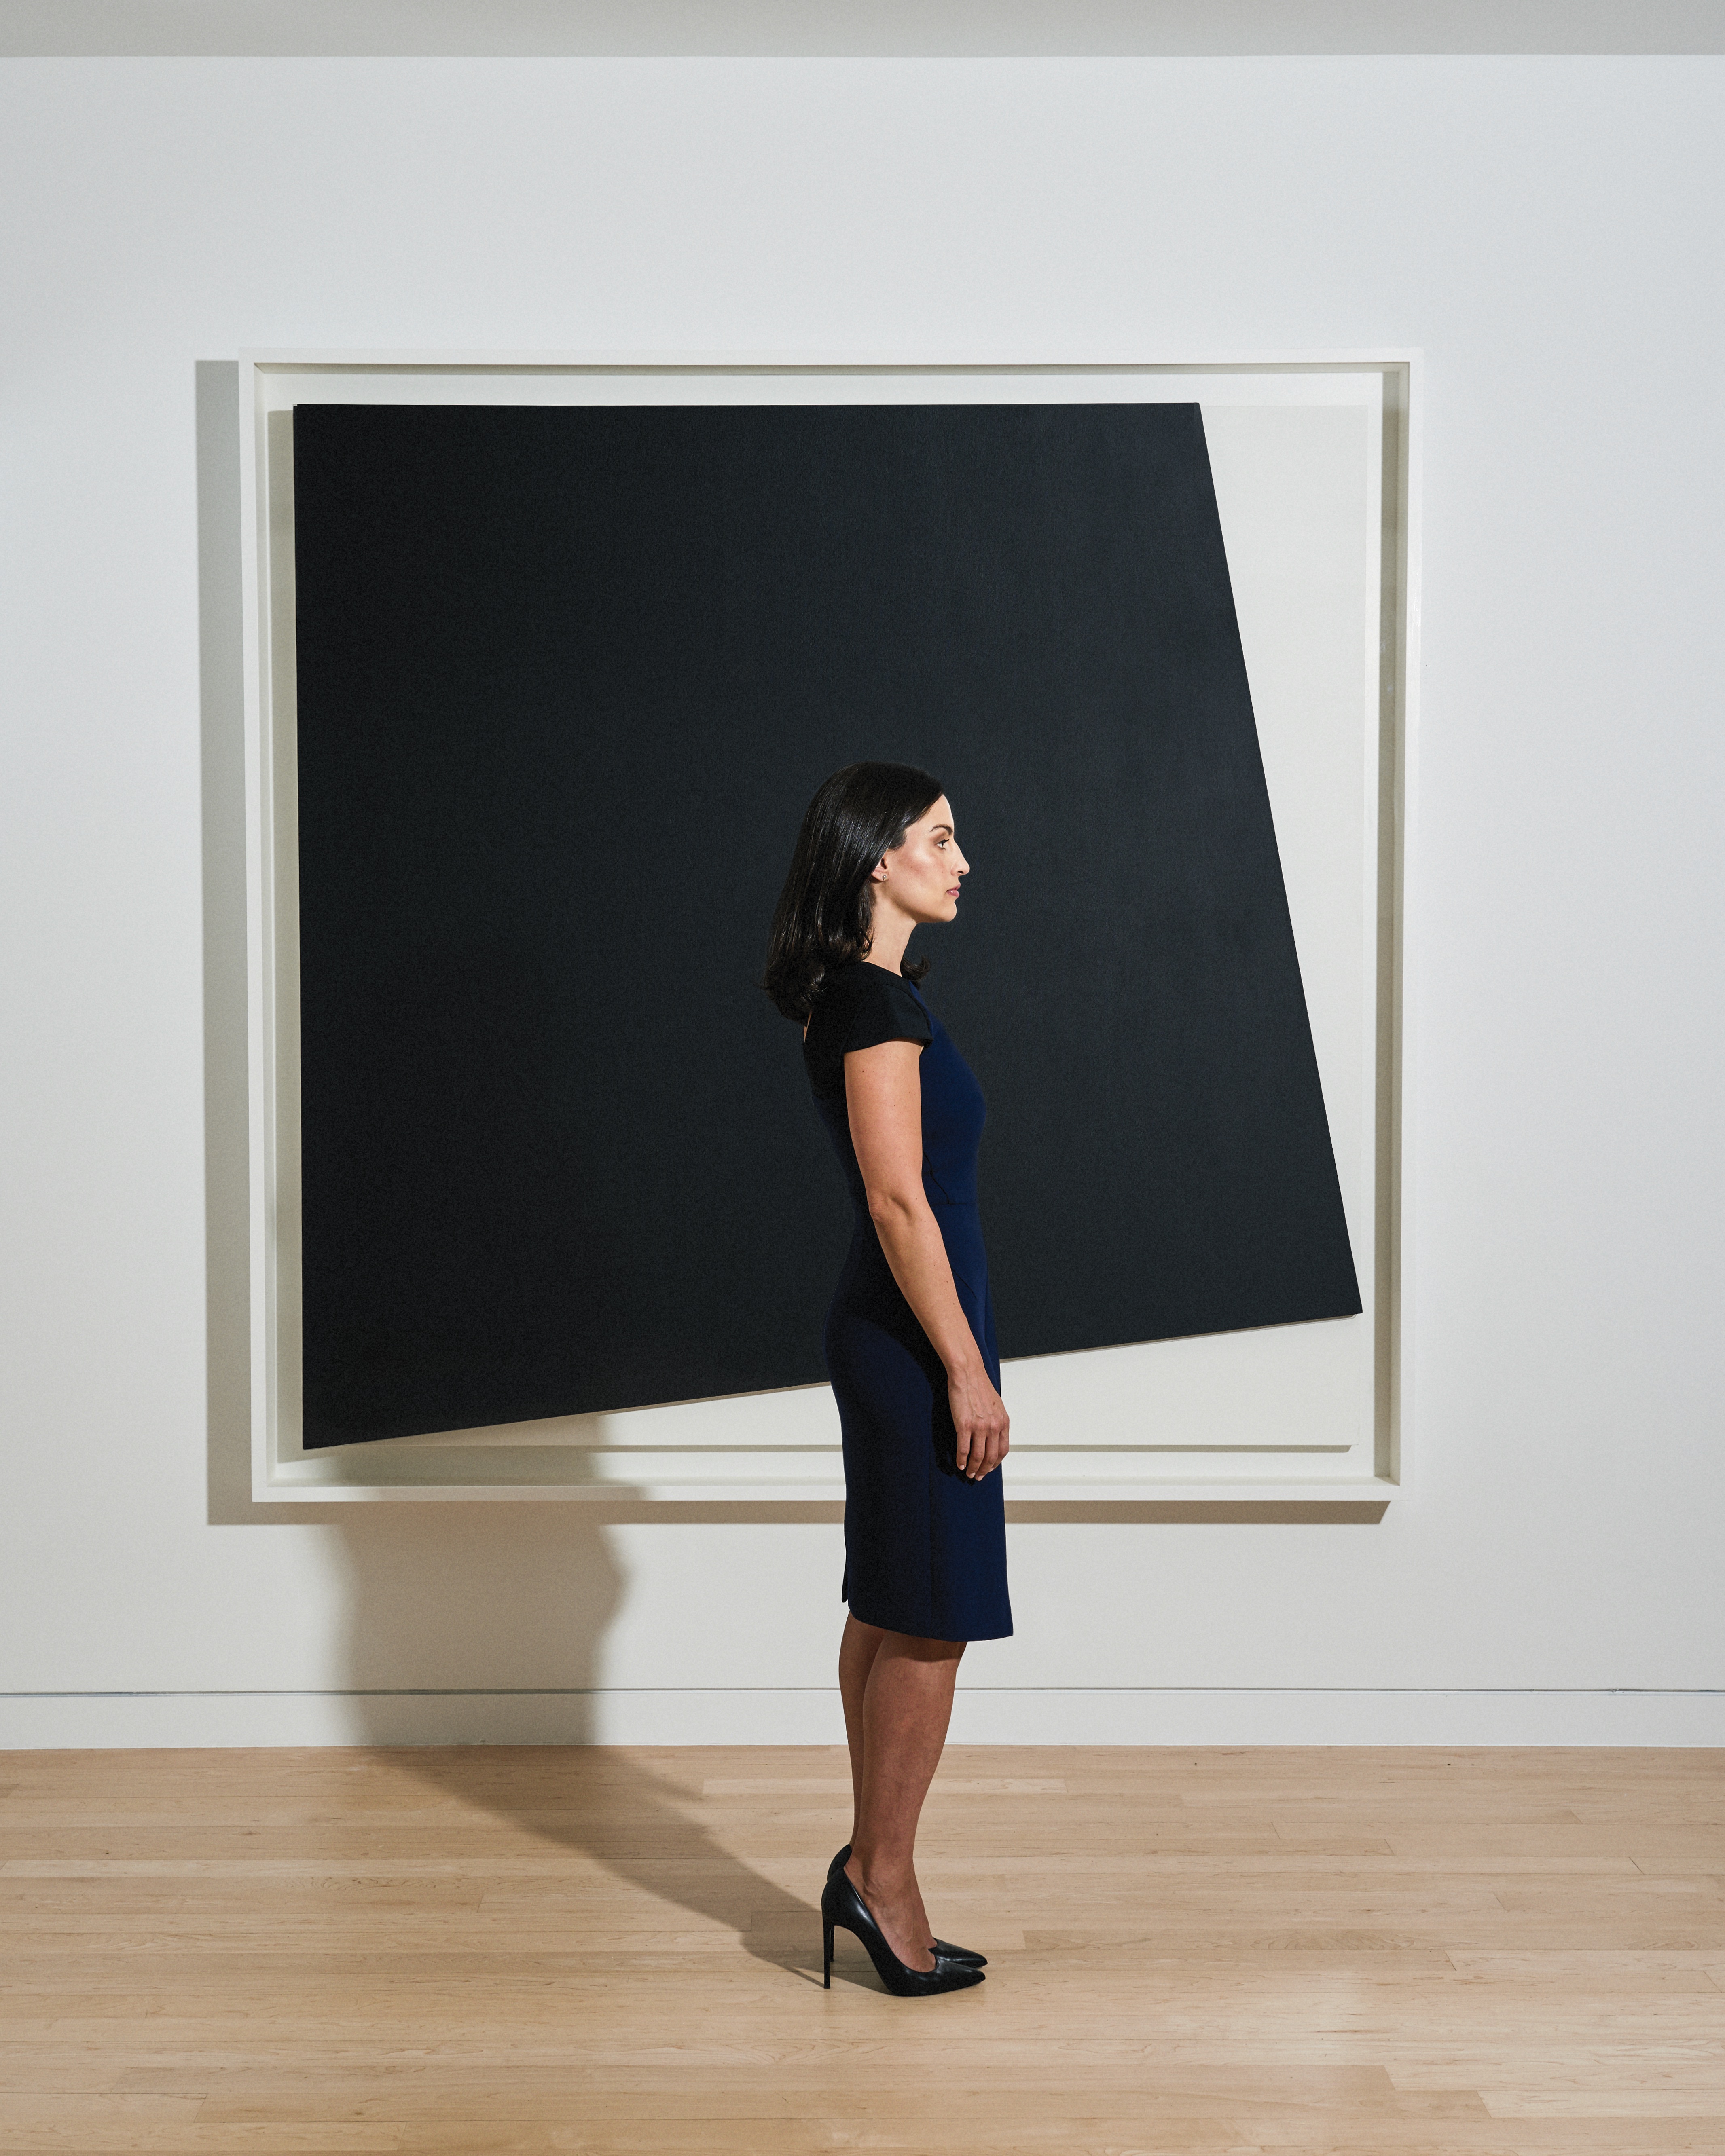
[(980, 1419)]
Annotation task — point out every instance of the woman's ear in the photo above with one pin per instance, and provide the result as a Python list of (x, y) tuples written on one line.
[(878, 873)]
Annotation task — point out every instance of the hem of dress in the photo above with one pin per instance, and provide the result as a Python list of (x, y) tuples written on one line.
[(915, 1632)]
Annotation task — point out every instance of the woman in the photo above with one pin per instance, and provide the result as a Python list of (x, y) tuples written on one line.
[(909, 1335)]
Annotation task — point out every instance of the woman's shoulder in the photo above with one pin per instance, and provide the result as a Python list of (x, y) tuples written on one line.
[(859, 1003), (860, 1006), (857, 984)]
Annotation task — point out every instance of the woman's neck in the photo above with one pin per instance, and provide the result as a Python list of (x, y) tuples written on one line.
[(889, 932)]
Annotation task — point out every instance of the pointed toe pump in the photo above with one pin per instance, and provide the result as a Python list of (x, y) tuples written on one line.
[(942, 1949), (841, 1907)]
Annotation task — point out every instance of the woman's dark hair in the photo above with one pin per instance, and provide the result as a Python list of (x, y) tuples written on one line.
[(825, 913)]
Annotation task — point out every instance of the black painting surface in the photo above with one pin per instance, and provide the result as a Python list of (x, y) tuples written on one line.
[(567, 681)]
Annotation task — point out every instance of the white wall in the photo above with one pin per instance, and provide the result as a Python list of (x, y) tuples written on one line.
[(1546, 229)]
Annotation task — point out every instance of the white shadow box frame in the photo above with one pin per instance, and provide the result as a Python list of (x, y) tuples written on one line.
[(1315, 462)]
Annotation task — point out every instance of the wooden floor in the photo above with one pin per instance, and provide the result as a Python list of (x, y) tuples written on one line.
[(489, 1950)]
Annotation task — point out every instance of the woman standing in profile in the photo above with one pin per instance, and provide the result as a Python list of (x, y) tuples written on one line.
[(909, 1335)]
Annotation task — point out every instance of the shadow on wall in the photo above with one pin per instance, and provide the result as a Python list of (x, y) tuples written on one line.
[(226, 1157), (443, 1598), (477, 1624), (473, 1623)]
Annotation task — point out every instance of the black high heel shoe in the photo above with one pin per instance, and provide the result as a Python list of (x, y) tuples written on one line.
[(840, 1904), (962, 1955)]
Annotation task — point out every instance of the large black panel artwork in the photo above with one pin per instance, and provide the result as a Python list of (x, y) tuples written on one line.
[(567, 678)]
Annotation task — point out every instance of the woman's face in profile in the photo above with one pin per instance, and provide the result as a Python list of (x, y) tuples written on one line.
[(921, 877)]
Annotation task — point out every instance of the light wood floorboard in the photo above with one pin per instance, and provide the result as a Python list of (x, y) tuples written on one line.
[(1395, 1952)]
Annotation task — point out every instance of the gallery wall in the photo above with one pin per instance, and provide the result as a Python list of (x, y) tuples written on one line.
[(1544, 229)]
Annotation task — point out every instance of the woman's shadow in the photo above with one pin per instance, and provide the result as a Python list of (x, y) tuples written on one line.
[(499, 1611), (481, 1622)]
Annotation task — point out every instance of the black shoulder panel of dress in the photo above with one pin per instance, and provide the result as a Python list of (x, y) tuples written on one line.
[(860, 1006)]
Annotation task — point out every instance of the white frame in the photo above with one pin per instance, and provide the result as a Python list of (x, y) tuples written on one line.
[(682, 1452)]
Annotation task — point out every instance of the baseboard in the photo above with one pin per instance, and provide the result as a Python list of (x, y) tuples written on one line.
[(76, 1720), (1381, 1716)]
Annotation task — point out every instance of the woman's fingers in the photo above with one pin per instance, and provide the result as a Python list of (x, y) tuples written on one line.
[(980, 1428), (969, 1452), (981, 1449)]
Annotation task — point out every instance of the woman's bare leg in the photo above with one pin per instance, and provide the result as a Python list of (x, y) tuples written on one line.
[(856, 1657), (906, 1705)]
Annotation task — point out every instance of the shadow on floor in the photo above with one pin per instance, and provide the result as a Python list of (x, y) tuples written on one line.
[(499, 1612), (609, 1806)]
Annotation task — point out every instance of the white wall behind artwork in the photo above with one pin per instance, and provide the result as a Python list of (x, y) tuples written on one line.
[(1546, 229)]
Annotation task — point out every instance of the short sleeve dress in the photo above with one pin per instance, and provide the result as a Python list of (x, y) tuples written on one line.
[(924, 1547)]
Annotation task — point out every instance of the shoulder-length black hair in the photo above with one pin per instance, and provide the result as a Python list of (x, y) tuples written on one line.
[(825, 913)]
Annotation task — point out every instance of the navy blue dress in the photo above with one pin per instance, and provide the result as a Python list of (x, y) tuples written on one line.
[(924, 1547)]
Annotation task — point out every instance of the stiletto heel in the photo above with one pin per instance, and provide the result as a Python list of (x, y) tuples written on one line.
[(946, 1952), (827, 1980), (840, 1904)]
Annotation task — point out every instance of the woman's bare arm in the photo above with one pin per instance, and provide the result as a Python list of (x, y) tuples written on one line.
[(883, 1093)]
